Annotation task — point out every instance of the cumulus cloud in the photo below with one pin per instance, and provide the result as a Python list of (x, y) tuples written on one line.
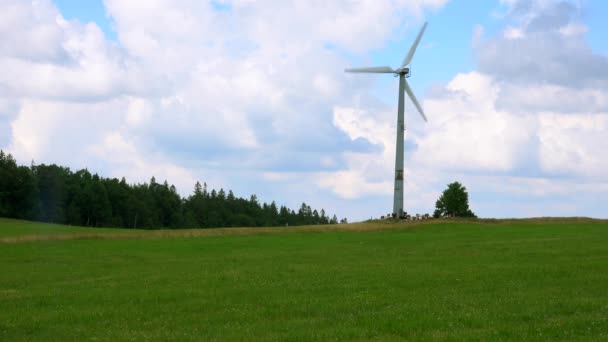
[(538, 101), (469, 132), (252, 96), (191, 90), (44, 56), (366, 172), (126, 160), (30, 31), (544, 43), (529, 122)]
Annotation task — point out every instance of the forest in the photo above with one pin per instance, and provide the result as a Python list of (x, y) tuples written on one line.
[(55, 194)]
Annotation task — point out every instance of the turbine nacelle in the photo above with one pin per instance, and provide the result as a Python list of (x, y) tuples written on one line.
[(403, 71)]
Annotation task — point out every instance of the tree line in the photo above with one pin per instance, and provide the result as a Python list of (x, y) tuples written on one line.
[(51, 193)]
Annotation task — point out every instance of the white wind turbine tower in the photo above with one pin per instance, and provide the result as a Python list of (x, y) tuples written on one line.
[(403, 72)]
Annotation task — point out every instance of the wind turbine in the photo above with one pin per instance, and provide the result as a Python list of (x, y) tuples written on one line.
[(403, 72)]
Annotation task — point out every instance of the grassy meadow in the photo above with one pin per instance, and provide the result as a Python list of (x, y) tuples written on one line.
[(438, 280)]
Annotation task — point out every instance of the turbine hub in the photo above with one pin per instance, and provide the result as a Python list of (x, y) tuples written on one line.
[(404, 71)]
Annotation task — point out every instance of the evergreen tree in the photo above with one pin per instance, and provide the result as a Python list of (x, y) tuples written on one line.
[(53, 193), (198, 189), (323, 219)]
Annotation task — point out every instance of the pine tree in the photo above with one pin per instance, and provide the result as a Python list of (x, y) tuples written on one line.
[(198, 189), (55, 194)]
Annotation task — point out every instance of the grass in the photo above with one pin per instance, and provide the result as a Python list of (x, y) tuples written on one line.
[(541, 279), (10, 228)]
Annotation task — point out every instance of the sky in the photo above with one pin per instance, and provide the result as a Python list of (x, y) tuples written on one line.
[(252, 96)]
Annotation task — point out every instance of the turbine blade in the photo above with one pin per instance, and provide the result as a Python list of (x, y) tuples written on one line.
[(372, 70), (409, 91), (408, 59)]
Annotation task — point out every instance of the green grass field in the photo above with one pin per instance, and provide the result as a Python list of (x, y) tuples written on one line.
[(505, 280)]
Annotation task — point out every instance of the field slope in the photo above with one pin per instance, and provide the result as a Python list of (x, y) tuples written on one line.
[(513, 280)]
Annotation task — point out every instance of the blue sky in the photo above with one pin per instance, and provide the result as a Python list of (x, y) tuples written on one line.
[(87, 11), (252, 97)]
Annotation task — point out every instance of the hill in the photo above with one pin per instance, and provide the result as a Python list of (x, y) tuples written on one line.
[(513, 279)]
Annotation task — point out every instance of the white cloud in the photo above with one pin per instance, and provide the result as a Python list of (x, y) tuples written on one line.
[(513, 33), (535, 98), (127, 161), (516, 128), (138, 112), (573, 29), (30, 31), (367, 173), (574, 145), (188, 90), (253, 98), (48, 130), (471, 133)]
